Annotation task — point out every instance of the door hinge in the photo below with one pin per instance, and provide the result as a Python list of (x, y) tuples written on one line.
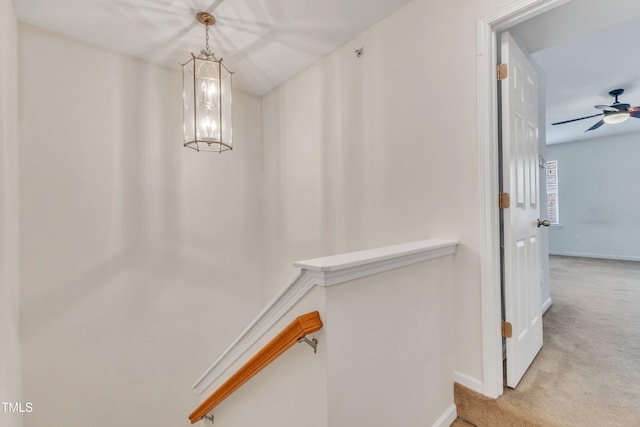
[(502, 71), (503, 200), (507, 329)]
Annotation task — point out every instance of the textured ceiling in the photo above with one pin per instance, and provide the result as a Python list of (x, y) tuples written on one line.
[(585, 47), (264, 41)]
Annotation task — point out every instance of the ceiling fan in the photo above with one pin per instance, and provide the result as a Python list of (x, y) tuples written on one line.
[(613, 114)]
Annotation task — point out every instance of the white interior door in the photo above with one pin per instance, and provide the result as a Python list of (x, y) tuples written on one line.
[(521, 231)]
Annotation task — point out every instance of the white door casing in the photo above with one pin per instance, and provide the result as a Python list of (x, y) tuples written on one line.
[(521, 231), (487, 27)]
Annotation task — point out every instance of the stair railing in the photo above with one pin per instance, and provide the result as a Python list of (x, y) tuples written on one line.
[(295, 332)]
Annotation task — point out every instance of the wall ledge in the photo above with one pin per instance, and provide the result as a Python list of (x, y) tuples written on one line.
[(325, 271), (336, 269)]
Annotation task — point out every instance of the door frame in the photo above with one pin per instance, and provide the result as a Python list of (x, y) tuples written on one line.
[(487, 107)]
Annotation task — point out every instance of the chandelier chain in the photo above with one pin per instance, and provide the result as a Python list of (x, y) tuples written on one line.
[(206, 29)]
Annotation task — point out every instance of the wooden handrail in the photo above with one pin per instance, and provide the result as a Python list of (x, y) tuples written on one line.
[(301, 326)]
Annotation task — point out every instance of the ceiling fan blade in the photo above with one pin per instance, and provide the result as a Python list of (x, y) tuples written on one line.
[(575, 120), (606, 107), (596, 126), (635, 114), (632, 109)]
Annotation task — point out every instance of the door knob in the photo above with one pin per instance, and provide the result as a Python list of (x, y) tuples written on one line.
[(545, 222)]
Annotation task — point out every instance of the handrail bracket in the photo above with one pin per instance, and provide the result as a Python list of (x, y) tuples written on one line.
[(292, 333), (313, 343), (208, 417)]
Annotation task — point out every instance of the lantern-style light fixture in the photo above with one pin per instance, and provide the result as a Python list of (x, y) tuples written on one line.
[(206, 90)]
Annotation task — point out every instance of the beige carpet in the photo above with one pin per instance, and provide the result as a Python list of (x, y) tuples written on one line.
[(588, 371), (459, 423)]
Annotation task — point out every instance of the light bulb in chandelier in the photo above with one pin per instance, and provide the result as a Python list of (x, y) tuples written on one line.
[(208, 94)]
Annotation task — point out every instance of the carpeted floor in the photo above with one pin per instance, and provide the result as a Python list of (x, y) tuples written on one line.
[(588, 371)]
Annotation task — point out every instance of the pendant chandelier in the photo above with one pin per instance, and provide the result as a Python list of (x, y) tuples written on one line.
[(206, 90)]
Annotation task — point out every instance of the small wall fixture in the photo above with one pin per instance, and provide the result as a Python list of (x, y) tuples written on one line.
[(206, 91)]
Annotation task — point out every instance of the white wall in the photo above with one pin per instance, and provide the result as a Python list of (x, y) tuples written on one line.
[(384, 357), (289, 392), (137, 256), (599, 207), (364, 152), (10, 361), (132, 245), (390, 344)]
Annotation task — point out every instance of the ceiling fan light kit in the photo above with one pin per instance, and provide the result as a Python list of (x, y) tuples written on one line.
[(613, 118), (206, 92), (611, 114)]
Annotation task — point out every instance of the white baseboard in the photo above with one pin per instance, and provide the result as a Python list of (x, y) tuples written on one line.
[(546, 305), (599, 256), (448, 417), (469, 382)]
